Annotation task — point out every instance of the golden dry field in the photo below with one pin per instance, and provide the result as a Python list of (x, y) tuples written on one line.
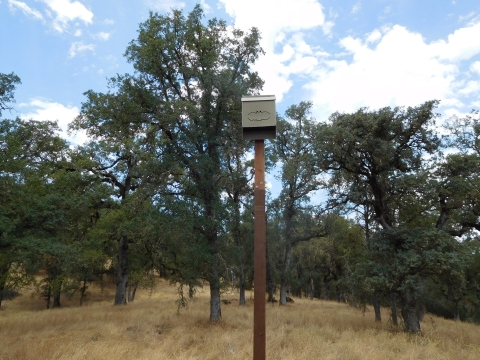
[(150, 329)]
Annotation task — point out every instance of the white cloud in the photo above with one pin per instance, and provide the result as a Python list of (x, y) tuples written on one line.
[(108, 22), (207, 8), (475, 67), (298, 56), (374, 36), (66, 11), (461, 45), (14, 4), (283, 15), (401, 69), (475, 105), (471, 87), (165, 5), (42, 109), (474, 20), (285, 19), (78, 32), (110, 59), (469, 19), (356, 8), (79, 47), (327, 28), (103, 36)]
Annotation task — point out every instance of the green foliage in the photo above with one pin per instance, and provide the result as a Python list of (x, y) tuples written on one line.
[(30, 152), (379, 164), (189, 80), (401, 257), (464, 132), (47, 209), (378, 148), (293, 149), (456, 186), (330, 261), (7, 89)]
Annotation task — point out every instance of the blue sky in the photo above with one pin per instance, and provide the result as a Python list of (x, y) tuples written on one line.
[(341, 54)]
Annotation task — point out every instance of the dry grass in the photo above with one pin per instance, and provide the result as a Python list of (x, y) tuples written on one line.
[(150, 329)]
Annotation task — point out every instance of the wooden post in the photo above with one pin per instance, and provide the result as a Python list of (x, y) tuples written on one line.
[(259, 122), (260, 237)]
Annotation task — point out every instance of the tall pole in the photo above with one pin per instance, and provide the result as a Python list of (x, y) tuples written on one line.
[(260, 235), (259, 122)]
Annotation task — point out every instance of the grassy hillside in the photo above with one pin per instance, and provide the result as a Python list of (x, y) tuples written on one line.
[(150, 329)]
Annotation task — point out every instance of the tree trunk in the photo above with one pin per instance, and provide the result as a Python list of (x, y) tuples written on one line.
[(312, 287), (271, 292), (393, 307), (2, 292), (283, 293), (242, 286), (47, 298), (456, 312), (131, 293), (326, 290), (211, 201), (421, 312), (4, 270), (234, 280), (376, 307), (83, 289), (56, 299), (122, 277), (270, 282), (338, 294), (420, 304), (283, 278), (288, 254), (215, 310), (410, 313), (297, 292)]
